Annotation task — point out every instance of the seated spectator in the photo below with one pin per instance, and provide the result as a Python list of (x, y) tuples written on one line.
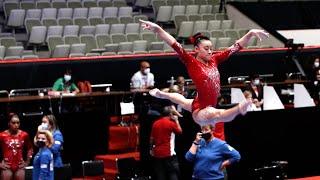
[(256, 89), (64, 85), (177, 87), (143, 79)]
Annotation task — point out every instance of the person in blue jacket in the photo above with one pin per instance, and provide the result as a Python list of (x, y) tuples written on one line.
[(49, 122), (43, 160), (210, 155)]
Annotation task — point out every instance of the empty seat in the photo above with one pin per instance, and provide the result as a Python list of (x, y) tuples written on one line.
[(199, 26), (111, 20), (59, 4), (125, 19), (71, 39), (177, 10), (89, 3), (217, 33), (208, 17), (104, 3), (71, 30), (8, 42), (132, 28), (49, 22), (38, 35), (140, 46), (125, 11), (125, 47), (95, 12), (61, 50), (232, 33), (55, 31), (221, 16), (33, 14), (117, 28), (102, 29), (102, 40), (226, 24), (77, 50), (2, 52), (214, 42), (186, 29), (214, 25), (43, 4), (65, 21), (200, 2), (164, 14), (14, 52), (74, 4), (223, 43), (119, 3), (8, 6), (192, 9), (49, 13), (117, 38), (156, 6), (205, 9), (81, 21), (87, 30), (132, 37), (194, 17), (90, 42), (110, 12), (65, 13), (53, 41), (27, 5), (178, 19), (173, 2), (30, 56), (80, 13), (16, 18)]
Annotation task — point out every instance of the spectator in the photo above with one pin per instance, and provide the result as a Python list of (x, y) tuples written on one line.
[(43, 161), (256, 89), (143, 79), (162, 145), (64, 85), (49, 123), (210, 155), (15, 143)]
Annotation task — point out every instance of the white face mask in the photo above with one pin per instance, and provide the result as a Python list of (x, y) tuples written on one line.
[(256, 82), (67, 78), (44, 126), (146, 71), (316, 64)]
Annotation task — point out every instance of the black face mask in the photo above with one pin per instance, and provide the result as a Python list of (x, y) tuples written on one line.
[(206, 136), (41, 144)]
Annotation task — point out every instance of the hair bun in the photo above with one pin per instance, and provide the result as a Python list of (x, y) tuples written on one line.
[(194, 38)]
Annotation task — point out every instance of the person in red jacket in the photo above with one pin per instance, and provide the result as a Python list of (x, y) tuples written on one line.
[(203, 70), (14, 144), (162, 140)]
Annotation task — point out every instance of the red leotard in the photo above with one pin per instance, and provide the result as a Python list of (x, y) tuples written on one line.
[(205, 77), (12, 147)]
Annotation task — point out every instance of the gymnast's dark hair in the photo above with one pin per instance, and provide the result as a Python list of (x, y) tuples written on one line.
[(197, 38)]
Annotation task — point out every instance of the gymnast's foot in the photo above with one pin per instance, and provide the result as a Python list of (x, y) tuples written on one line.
[(243, 107), (156, 93)]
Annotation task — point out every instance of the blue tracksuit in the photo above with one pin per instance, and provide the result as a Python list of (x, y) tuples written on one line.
[(209, 157), (43, 165)]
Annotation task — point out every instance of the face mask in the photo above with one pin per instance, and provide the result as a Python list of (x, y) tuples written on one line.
[(41, 144), (316, 64), (67, 78), (256, 82), (206, 136), (146, 71), (44, 126)]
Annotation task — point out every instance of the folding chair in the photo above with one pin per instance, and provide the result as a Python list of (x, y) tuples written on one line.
[(93, 169), (63, 173)]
